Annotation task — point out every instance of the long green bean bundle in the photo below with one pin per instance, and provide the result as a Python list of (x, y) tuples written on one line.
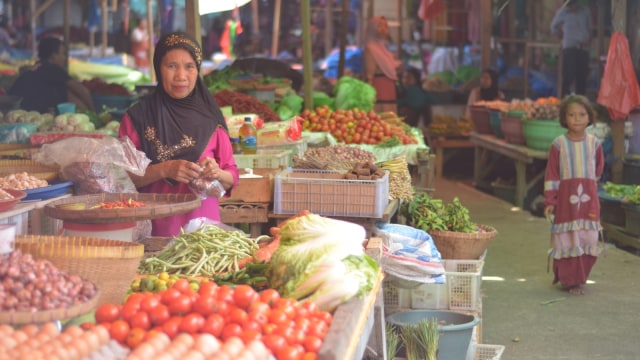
[(204, 252)]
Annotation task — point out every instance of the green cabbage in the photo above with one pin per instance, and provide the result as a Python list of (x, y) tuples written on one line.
[(352, 93)]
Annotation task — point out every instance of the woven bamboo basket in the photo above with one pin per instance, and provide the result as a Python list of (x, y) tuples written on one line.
[(80, 209), (40, 317), (110, 264), (459, 245), (33, 168)]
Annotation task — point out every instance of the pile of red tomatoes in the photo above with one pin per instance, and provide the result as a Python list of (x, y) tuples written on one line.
[(354, 126)]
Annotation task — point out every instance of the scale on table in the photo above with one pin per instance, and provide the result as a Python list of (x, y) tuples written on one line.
[(82, 216)]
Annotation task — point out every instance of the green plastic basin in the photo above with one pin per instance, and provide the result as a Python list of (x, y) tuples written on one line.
[(539, 134)]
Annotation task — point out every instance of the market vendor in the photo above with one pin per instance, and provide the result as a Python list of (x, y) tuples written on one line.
[(181, 129), (47, 83), (380, 65), (487, 91)]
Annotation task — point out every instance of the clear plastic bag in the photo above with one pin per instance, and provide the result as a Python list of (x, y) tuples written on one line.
[(207, 188)]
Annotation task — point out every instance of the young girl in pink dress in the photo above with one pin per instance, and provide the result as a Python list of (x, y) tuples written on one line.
[(575, 164)]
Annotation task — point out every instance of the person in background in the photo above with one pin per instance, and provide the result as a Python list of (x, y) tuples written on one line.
[(575, 163), (380, 65), (47, 84), (232, 28), (487, 91), (181, 129), (413, 102), (6, 39), (572, 23), (140, 46)]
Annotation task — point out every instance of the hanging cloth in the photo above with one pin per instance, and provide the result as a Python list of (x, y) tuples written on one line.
[(429, 9), (619, 91)]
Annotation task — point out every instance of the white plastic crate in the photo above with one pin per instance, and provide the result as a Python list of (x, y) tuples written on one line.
[(328, 193), (464, 278), (487, 352), (19, 218), (297, 147), (264, 159), (460, 293)]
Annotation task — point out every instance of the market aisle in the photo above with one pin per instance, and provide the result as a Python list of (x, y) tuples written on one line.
[(534, 319)]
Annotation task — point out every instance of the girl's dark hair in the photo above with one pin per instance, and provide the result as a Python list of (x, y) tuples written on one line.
[(575, 99), (493, 92), (48, 46)]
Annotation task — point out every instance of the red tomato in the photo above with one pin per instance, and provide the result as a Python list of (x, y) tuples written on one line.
[(310, 356), (172, 326), (208, 288), (238, 316), (205, 305), (213, 325), (311, 306), (140, 320), (192, 323), (225, 293), (107, 313), (289, 353), (231, 330), (312, 344), (182, 285), (244, 295), (317, 328), (159, 315), (150, 303), (278, 317), (274, 342), (181, 305), (129, 310), (252, 325), (249, 335), (169, 295), (325, 316), (119, 331), (260, 318), (135, 337), (269, 296)]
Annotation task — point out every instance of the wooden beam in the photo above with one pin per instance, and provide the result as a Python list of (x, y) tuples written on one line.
[(344, 20), (619, 23), (104, 34), (328, 27), (150, 32), (486, 25), (307, 60), (40, 9), (255, 16), (192, 13), (399, 4), (276, 28)]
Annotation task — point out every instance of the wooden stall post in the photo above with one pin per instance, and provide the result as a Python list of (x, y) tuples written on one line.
[(619, 23), (276, 28), (307, 61)]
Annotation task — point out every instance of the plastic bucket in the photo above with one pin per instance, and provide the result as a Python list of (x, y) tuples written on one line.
[(67, 107), (112, 231), (455, 335)]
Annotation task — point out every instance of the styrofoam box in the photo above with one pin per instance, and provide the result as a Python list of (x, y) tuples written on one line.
[(486, 352), (264, 159)]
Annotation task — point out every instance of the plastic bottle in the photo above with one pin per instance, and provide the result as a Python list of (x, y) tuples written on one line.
[(248, 137), (235, 145)]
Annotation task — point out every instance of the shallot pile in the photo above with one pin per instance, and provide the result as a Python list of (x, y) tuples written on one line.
[(28, 284)]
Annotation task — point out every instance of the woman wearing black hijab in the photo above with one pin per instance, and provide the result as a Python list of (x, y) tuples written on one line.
[(181, 129), (487, 91)]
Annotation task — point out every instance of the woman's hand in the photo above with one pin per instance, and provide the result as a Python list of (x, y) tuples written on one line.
[(211, 169), (182, 170)]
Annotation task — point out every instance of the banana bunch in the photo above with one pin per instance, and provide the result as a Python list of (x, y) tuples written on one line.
[(400, 186)]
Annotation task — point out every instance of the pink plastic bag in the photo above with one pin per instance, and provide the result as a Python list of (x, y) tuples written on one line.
[(619, 91)]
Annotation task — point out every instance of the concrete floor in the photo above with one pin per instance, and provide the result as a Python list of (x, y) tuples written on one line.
[(534, 319)]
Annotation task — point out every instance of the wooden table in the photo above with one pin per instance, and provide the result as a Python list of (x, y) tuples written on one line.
[(366, 222), (521, 155), (440, 143), (254, 214)]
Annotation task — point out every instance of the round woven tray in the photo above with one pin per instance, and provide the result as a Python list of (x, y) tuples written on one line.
[(110, 264), (155, 206), (39, 317), (459, 245), (33, 168)]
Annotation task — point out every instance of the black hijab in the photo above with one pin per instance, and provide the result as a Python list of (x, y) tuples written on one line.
[(176, 128), (493, 92)]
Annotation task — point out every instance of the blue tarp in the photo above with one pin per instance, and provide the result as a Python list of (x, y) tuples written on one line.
[(352, 61)]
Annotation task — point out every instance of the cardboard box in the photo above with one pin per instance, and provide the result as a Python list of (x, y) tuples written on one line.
[(254, 190)]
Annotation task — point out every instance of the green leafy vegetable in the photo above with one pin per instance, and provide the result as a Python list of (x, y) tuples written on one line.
[(352, 93)]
